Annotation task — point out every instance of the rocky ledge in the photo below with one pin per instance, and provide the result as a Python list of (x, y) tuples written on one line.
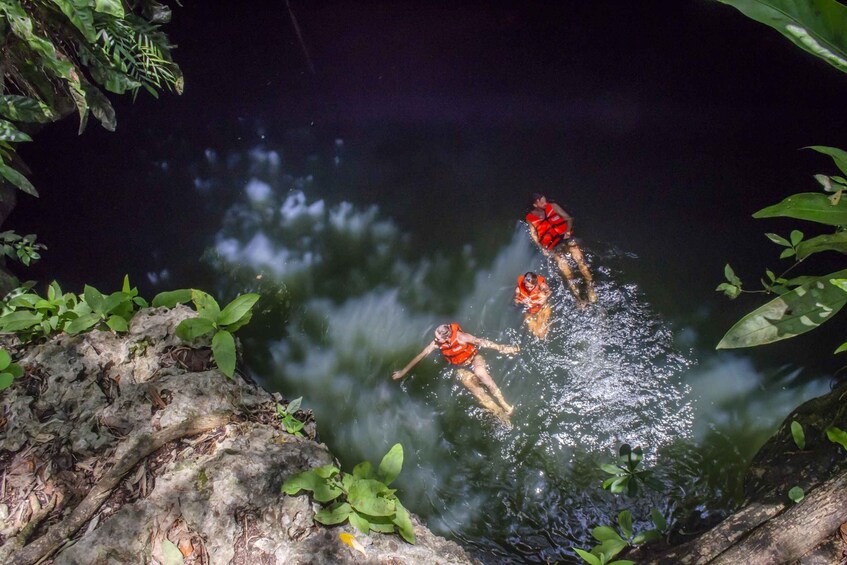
[(133, 448)]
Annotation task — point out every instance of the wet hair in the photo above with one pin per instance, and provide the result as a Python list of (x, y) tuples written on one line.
[(442, 331), (530, 277), (535, 197)]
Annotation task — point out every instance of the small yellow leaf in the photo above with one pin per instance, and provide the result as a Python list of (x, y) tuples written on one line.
[(350, 540), (835, 198)]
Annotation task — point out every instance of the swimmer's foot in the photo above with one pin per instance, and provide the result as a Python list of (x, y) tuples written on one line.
[(509, 410), (592, 295)]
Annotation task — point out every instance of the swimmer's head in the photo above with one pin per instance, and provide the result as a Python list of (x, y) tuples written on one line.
[(538, 200), (530, 279), (442, 332)]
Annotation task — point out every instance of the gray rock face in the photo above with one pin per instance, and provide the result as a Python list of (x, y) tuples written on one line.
[(208, 498)]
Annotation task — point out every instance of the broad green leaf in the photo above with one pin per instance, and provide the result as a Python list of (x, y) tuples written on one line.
[(363, 470), (294, 405), (207, 306), (309, 480), (816, 26), (625, 522), (111, 7), (837, 435), (15, 370), (364, 496), (618, 485), (658, 520), (798, 434), (82, 323), (391, 464), (786, 253), (810, 206), (17, 321), (24, 109), (192, 328), (112, 302), (612, 547), (587, 557), (359, 522), (5, 359), (796, 237), (93, 298), (796, 312), (6, 381), (236, 309), (404, 522), (171, 298), (223, 350), (17, 179), (603, 533), (839, 156), (621, 562), (796, 494), (22, 26), (326, 471), (381, 524), (841, 348), (611, 469), (8, 132), (117, 324), (832, 242), (81, 16), (644, 537), (100, 107), (333, 515)]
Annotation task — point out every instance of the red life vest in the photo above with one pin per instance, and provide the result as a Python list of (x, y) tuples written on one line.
[(456, 353), (550, 229), (533, 295)]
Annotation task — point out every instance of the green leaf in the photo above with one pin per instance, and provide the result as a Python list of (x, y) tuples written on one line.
[(326, 471), (796, 312), (798, 434), (730, 276), (403, 521), (778, 240), (82, 323), (111, 7), (625, 522), (359, 522), (100, 106), (5, 359), (15, 370), (391, 464), (117, 324), (93, 298), (622, 562), (796, 494), (810, 206), (17, 179), (817, 26), (24, 109), (837, 435), (223, 350), (309, 480), (6, 381), (833, 242), (363, 470), (8, 132), (207, 306), (612, 547), (192, 328), (786, 253), (841, 348), (587, 557), (14, 322), (646, 536), (658, 520), (333, 515), (603, 533), (294, 405), (839, 156), (382, 524), (236, 309), (364, 496), (80, 16), (729, 290), (611, 469), (171, 298), (796, 237), (618, 485)]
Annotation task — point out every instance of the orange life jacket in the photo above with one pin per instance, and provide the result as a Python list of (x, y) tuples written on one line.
[(534, 295), (456, 353), (550, 229)]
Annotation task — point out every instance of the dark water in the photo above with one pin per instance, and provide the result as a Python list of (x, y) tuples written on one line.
[(365, 218)]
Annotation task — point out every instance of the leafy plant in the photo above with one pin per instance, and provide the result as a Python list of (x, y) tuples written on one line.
[(212, 320), (362, 498), (56, 50), (30, 315), (286, 415), (796, 494), (20, 248), (837, 435), (625, 474), (9, 371), (614, 541), (798, 434), (805, 302)]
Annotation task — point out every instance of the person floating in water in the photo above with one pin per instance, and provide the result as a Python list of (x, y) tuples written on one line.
[(533, 294), (551, 228), (462, 350)]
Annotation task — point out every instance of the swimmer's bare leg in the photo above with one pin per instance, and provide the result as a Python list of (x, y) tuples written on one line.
[(562, 262), (480, 369), (470, 381), (539, 323), (579, 258)]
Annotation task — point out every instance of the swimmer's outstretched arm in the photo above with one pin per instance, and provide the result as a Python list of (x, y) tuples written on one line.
[(507, 349), (426, 351)]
